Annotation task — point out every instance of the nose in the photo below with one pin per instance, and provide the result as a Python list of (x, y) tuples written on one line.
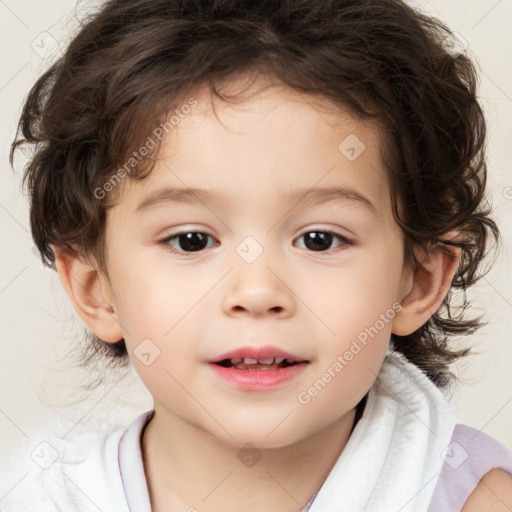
[(257, 289)]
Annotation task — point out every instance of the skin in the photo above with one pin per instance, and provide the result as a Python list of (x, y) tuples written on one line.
[(196, 307), (494, 492)]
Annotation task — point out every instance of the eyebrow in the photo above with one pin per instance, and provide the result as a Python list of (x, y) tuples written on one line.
[(306, 197)]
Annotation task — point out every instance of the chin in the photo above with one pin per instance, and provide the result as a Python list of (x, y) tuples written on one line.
[(258, 436)]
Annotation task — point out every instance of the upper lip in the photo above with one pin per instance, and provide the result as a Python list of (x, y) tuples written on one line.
[(265, 352)]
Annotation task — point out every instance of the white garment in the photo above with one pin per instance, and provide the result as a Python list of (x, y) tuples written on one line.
[(394, 456), (391, 462), (85, 478)]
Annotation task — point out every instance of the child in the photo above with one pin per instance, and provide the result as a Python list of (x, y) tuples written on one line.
[(192, 160)]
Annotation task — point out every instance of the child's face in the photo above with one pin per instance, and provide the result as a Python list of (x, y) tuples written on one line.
[(316, 305)]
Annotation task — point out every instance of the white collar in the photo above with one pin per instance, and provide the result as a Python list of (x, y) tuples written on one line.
[(393, 458)]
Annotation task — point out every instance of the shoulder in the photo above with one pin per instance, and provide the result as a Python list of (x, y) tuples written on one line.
[(476, 474), (493, 492)]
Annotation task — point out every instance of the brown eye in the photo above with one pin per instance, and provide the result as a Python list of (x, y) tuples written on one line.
[(192, 241), (321, 241)]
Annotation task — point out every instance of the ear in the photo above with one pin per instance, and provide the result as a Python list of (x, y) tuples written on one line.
[(427, 285), (90, 293)]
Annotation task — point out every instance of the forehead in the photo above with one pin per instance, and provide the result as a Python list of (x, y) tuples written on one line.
[(271, 139)]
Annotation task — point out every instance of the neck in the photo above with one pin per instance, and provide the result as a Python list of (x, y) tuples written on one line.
[(191, 469)]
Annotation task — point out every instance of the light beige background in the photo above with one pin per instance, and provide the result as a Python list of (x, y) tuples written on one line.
[(40, 388)]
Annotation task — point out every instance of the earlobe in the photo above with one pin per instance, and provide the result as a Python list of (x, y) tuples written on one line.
[(89, 292), (431, 281)]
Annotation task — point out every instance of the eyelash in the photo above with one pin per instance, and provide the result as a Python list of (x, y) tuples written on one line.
[(344, 242)]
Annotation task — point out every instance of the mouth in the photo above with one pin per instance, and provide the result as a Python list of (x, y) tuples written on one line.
[(264, 364), (266, 368), (257, 358)]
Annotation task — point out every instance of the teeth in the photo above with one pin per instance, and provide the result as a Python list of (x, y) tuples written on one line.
[(250, 363), (251, 360)]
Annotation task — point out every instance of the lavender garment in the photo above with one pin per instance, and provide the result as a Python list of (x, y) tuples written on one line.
[(470, 455)]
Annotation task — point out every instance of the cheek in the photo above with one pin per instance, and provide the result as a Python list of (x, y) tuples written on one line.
[(153, 298), (158, 303), (356, 309), (350, 298)]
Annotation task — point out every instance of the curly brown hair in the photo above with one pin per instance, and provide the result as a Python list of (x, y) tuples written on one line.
[(133, 61)]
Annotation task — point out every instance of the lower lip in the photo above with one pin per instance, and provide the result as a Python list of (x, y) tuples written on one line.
[(258, 380)]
